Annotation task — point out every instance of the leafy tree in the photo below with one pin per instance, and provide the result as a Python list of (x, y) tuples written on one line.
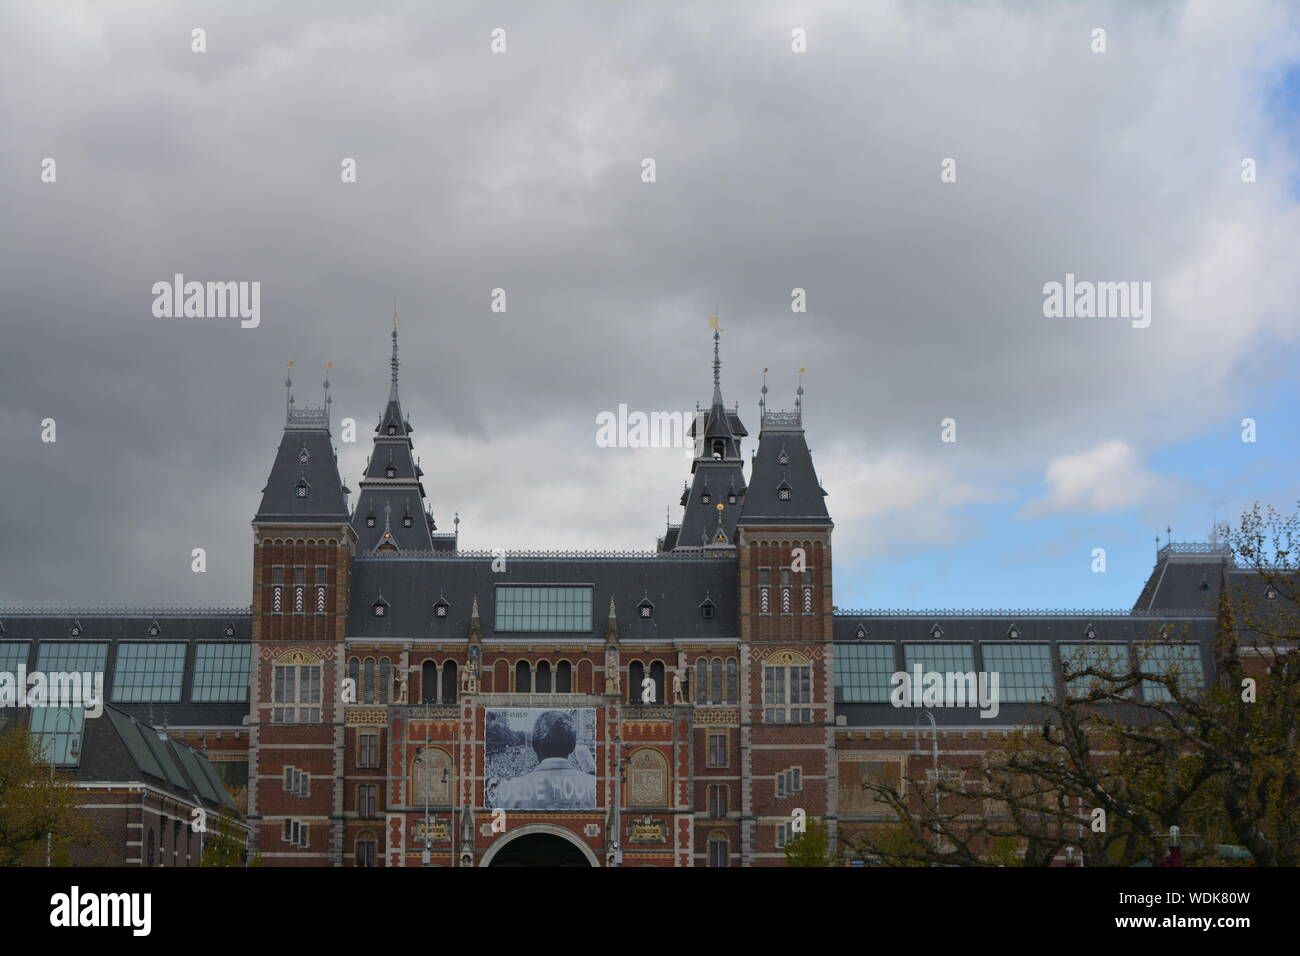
[(1110, 774), (34, 804), (225, 843), (809, 848)]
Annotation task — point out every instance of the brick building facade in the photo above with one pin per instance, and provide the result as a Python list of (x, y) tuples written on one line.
[(408, 700)]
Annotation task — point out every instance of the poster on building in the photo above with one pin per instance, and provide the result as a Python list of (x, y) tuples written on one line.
[(540, 759)]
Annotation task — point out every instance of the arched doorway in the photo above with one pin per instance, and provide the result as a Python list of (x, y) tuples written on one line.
[(540, 845)]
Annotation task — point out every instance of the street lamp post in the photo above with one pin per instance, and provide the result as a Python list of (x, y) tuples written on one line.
[(423, 760), (74, 752)]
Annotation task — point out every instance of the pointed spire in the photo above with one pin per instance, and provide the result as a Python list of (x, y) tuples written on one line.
[(611, 630), (762, 396), (326, 386), (288, 390), (392, 392), (717, 362), (798, 397)]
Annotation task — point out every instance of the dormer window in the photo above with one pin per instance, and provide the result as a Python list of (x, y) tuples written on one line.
[(1270, 593), (440, 609), (705, 498), (370, 521), (784, 457), (1091, 633), (708, 609), (229, 631), (860, 633), (1013, 632), (379, 608), (301, 489), (936, 632), (75, 630), (645, 609), (731, 498), (303, 457), (406, 521), (154, 630), (392, 429), (390, 471), (783, 492)]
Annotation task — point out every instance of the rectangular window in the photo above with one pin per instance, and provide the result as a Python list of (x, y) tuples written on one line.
[(366, 801), (13, 653), (1109, 659), (220, 673), (863, 673), (297, 694), (149, 672), (718, 801), (944, 658), (782, 835), (1024, 671), (322, 573), (764, 576), (368, 753), (1179, 661), (60, 732), (562, 609), (717, 750), (365, 853), (787, 690)]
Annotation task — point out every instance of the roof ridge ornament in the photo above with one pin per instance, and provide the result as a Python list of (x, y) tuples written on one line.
[(392, 392)]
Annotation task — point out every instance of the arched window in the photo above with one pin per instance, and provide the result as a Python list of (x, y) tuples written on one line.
[(449, 689), (564, 678), (354, 671), (385, 679), (523, 678), (635, 676), (717, 680), (544, 677), (657, 675), (365, 851), (370, 680), (718, 848), (701, 689), (429, 682), (733, 695)]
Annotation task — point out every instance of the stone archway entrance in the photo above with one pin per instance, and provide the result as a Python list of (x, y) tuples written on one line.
[(540, 846)]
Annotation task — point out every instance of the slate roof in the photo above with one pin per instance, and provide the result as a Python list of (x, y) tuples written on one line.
[(699, 520), (402, 494), (676, 585), (782, 435), (117, 747), (305, 429)]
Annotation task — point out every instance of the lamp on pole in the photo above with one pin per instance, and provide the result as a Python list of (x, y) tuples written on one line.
[(74, 751)]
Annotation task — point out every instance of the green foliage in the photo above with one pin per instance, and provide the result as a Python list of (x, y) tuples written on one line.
[(35, 803), (809, 848)]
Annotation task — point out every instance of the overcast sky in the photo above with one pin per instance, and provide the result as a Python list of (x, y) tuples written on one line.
[(775, 170)]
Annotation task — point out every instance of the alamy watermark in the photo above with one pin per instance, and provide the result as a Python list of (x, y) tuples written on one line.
[(624, 429), (924, 688), (53, 689), (1084, 299), (208, 300)]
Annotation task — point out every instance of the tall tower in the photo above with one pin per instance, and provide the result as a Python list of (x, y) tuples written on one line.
[(716, 494), (302, 558), (391, 515), (787, 742)]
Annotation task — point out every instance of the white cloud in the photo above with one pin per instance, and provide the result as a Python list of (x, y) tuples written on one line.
[(1107, 477)]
